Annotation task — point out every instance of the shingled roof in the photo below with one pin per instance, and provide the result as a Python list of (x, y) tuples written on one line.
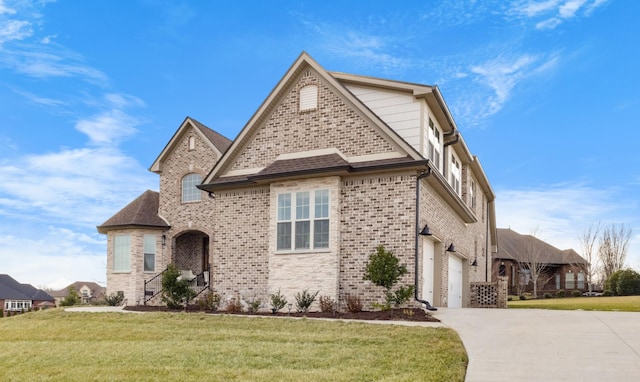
[(10, 289), (221, 142), (142, 212), (513, 246)]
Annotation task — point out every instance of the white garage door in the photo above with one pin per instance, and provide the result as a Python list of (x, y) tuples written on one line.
[(455, 282)]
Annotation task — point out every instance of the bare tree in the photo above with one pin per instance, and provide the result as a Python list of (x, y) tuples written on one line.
[(534, 260), (588, 241), (613, 248)]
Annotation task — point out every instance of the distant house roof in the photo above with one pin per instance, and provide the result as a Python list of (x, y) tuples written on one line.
[(10, 289), (514, 246), (97, 291), (142, 212)]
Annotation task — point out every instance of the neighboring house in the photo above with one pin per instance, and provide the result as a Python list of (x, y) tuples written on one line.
[(330, 166), (88, 291), (560, 269), (18, 297)]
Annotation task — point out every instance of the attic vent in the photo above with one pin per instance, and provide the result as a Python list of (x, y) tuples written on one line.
[(192, 143), (309, 98)]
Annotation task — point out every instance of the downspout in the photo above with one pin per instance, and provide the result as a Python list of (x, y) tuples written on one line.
[(417, 234), (488, 252)]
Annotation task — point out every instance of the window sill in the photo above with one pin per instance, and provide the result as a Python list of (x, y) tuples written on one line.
[(303, 251), (123, 272)]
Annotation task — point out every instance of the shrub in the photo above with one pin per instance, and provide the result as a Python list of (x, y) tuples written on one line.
[(327, 304), (523, 297), (576, 293), (384, 269), (304, 300), (548, 295), (628, 283), (210, 301), (234, 305), (1, 313), (114, 299), (354, 303), (176, 291), (560, 293), (612, 282), (253, 303), (607, 293), (278, 301)]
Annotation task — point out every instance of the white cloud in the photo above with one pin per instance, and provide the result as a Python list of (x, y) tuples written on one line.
[(5, 9), (14, 30), (109, 127), (552, 13)]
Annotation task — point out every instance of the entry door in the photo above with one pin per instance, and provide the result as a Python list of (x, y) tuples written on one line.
[(455, 282), (427, 270)]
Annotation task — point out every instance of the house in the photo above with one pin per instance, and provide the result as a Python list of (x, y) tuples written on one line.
[(18, 297), (329, 167), (559, 270), (88, 291)]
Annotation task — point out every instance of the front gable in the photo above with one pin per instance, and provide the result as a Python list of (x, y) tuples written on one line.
[(289, 125)]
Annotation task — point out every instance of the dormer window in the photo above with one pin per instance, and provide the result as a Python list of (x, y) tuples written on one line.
[(190, 193), (309, 98)]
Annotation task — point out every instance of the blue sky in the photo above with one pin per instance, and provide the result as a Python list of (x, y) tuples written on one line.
[(544, 92)]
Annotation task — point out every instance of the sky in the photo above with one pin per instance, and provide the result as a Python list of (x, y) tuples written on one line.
[(545, 93)]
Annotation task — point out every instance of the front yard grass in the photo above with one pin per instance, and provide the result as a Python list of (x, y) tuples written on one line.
[(617, 303), (68, 346)]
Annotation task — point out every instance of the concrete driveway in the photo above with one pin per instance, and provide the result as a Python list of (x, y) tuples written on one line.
[(547, 345)]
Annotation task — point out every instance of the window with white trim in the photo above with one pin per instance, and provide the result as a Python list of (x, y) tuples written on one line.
[(302, 220), (309, 98), (122, 253), (455, 174), (580, 280), (149, 257), (434, 146), (190, 193), (472, 194), (17, 305)]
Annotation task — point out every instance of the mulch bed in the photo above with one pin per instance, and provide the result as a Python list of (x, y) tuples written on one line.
[(408, 314)]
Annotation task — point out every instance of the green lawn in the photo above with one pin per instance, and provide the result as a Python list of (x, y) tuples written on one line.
[(62, 346), (618, 303)]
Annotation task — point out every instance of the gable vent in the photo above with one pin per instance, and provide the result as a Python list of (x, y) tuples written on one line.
[(309, 98)]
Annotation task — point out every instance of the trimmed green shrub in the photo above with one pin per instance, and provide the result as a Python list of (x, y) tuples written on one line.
[(607, 293), (384, 269), (560, 293), (176, 292), (523, 297), (114, 299), (612, 282), (576, 293), (548, 295)]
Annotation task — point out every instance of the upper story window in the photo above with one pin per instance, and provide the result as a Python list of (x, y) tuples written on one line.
[(309, 98), (122, 253), (434, 148), (303, 220), (472, 195), (455, 174), (190, 193)]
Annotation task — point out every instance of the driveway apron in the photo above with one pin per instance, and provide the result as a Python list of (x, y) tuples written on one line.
[(547, 345)]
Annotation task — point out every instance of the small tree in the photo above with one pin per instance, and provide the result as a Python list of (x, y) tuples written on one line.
[(72, 298), (176, 292), (384, 269)]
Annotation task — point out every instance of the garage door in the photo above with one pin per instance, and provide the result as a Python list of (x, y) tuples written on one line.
[(455, 282)]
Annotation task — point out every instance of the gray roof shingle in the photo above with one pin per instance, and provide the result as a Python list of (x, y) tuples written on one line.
[(514, 246)]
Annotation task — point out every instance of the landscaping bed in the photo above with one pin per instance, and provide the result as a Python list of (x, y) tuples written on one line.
[(406, 314)]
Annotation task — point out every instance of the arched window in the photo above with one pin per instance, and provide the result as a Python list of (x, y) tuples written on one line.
[(190, 193), (309, 98)]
